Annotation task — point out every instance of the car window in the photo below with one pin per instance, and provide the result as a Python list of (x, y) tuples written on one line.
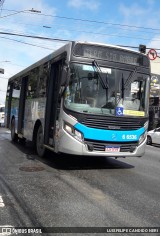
[(158, 130)]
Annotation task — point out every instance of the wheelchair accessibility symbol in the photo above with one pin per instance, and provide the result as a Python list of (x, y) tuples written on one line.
[(119, 111)]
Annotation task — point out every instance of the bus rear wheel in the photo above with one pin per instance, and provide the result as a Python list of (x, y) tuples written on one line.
[(39, 142), (14, 136)]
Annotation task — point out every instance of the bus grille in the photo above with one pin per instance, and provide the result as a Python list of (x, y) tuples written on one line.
[(100, 146), (112, 123)]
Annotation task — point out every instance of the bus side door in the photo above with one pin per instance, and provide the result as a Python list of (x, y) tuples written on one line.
[(22, 104), (52, 102)]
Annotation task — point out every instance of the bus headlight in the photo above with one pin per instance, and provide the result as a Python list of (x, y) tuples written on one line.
[(78, 135), (73, 132), (142, 137), (68, 128)]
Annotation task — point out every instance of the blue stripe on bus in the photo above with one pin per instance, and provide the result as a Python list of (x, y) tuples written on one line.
[(109, 135)]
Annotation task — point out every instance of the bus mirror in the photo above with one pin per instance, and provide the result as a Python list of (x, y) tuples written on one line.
[(64, 76)]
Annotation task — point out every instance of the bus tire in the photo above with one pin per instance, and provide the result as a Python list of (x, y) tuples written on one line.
[(22, 141), (14, 136), (39, 142)]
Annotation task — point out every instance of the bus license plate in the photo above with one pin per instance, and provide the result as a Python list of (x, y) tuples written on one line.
[(112, 149)]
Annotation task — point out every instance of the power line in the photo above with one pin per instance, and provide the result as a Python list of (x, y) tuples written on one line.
[(13, 14), (93, 21), (21, 32), (36, 37), (126, 46), (112, 35), (9, 62), (61, 25), (32, 11), (1, 6), (31, 44), (54, 39), (104, 34), (64, 40)]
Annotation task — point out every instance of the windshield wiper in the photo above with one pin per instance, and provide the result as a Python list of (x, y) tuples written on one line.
[(126, 84), (98, 70), (122, 88), (130, 77)]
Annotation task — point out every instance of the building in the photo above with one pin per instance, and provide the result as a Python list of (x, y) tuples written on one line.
[(154, 99)]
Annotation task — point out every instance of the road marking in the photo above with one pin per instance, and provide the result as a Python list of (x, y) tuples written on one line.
[(1, 202)]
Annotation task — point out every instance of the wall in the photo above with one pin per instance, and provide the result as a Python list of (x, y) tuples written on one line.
[(154, 110)]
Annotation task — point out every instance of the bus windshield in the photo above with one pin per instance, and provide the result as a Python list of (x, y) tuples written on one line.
[(103, 90)]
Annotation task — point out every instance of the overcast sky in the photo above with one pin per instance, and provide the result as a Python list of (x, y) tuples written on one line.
[(116, 22)]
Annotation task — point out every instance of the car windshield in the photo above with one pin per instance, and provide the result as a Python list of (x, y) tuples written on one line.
[(109, 91)]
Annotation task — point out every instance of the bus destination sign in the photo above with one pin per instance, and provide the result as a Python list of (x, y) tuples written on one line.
[(110, 54)]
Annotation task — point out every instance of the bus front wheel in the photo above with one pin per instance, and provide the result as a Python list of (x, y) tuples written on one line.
[(39, 142), (14, 136)]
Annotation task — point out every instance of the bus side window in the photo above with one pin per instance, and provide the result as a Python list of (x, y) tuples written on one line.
[(43, 80), (42, 87), (32, 84), (16, 89)]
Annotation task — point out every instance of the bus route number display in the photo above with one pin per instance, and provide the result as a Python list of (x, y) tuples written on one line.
[(110, 54)]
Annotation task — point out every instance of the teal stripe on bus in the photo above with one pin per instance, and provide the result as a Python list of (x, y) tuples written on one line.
[(109, 135)]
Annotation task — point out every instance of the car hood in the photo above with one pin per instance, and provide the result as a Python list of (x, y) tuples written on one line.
[(150, 132)]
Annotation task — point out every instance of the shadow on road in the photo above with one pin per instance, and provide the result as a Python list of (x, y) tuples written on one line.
[(155, 145), (71, 162), (68, 162)]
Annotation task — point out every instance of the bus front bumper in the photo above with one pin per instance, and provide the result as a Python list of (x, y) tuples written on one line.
[(68, 144)]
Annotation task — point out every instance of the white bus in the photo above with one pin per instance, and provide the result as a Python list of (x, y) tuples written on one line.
[(2, 109), (83, 99)]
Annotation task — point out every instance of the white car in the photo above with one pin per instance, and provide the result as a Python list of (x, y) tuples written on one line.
[(153, 136), (2, 108)]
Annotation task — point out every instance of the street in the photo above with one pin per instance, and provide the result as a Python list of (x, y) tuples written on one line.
[(65, 191)]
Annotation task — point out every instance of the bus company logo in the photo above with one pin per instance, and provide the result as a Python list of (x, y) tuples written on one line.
[(114, 136), (113, 127)]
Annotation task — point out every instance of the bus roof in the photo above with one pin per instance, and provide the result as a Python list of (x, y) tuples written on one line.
[(66, 47)]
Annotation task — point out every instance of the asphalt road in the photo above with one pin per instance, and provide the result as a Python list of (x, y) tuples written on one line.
[(68, 191)]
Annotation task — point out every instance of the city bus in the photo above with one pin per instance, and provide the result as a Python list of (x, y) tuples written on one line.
[(85, 98), (2, 108)]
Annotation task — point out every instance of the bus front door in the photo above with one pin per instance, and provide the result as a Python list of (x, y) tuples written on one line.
[(52, 103), (22, 105)]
